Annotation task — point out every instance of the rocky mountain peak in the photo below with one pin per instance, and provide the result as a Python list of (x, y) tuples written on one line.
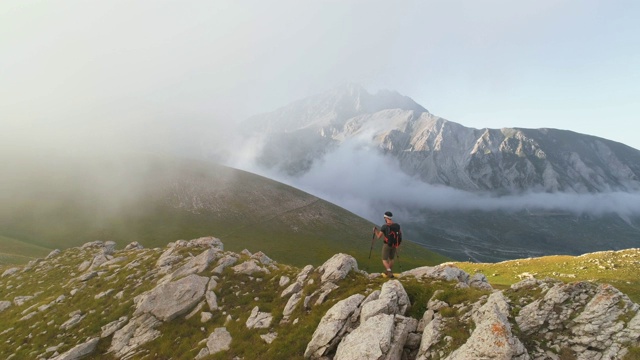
[(193, 299), (330, 110)]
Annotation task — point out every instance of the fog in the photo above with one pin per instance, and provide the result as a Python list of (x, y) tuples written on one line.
[(116, 80), (359, 178)]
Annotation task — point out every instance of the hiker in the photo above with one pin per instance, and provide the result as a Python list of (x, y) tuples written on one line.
[(392, 239)]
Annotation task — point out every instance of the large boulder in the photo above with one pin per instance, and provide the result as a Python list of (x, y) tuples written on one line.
[(371, 340), (169, 300), (492, 337), (139, 331), (333, 326), (445, 272), (392, 300), (337, 267)]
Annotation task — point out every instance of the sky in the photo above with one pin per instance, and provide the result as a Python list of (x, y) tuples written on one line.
[(79, 76)]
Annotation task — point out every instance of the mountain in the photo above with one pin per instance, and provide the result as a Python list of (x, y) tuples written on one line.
[(65, 202), (480, 194), (439, 151), (196, 300)]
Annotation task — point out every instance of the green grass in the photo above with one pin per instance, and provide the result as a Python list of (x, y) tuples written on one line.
[(13, 251), (618, 268)]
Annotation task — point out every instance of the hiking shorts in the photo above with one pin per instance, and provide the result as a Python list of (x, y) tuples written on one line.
[(388, 252)]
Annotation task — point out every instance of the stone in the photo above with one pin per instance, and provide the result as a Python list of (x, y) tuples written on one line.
[(371, 340), (10, 272), (445, 272), (258, 320), (492, 337), (337, 267), (133, 246), (112, 327), (249, 268), (79, 351), (167, 301), (392, 300), (268, 338), (138, 331), (333, 325), (224, 263), (4, 305), (219, 340)]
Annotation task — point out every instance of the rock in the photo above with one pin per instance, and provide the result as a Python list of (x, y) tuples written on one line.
[(4, 305), (479, 281), (426, 319), (598, 326), (543, 311), (139, 331), (337, 267), (492, 337), (88, 276), (370, 340), (224, 263), (133, 246), (207, 241), (392, 300), (205, 316), (333, 326), (112, 327), (10, 272), (258, 320), (445, 272), (167, 301), (20, 300), (295, 287), (284, 280), (73, 321), (249, 267), (291, 304), (431, 335), (168, 257), (212, 300), (219, 340), (195, 265), (53, 254), (262, 258), (109, 248), (268, 338), (79, 351)]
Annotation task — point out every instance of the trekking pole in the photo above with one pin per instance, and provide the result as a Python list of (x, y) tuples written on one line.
[(371, 249), (373, 237), (398, 255)]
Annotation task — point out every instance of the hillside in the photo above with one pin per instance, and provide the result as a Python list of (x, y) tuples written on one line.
[(67, 202), (197, 300), (480, 194)]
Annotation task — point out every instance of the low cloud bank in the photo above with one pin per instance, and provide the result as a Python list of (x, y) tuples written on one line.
[(362, 180)]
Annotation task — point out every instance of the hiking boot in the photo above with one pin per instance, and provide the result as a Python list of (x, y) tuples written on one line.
[(390, 274)]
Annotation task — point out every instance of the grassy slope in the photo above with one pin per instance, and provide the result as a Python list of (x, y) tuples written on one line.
[(237, 294), (618, 268), (13, 251), (157, 201)]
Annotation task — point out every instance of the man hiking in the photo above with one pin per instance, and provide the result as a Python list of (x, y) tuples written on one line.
[(392, 239)]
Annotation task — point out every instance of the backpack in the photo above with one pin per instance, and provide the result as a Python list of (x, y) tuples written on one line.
[(394, 238)]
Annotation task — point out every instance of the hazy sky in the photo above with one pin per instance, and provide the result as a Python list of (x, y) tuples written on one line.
[(173, 74)]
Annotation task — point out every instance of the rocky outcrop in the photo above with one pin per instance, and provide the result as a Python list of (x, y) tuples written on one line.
[(194, 298)]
